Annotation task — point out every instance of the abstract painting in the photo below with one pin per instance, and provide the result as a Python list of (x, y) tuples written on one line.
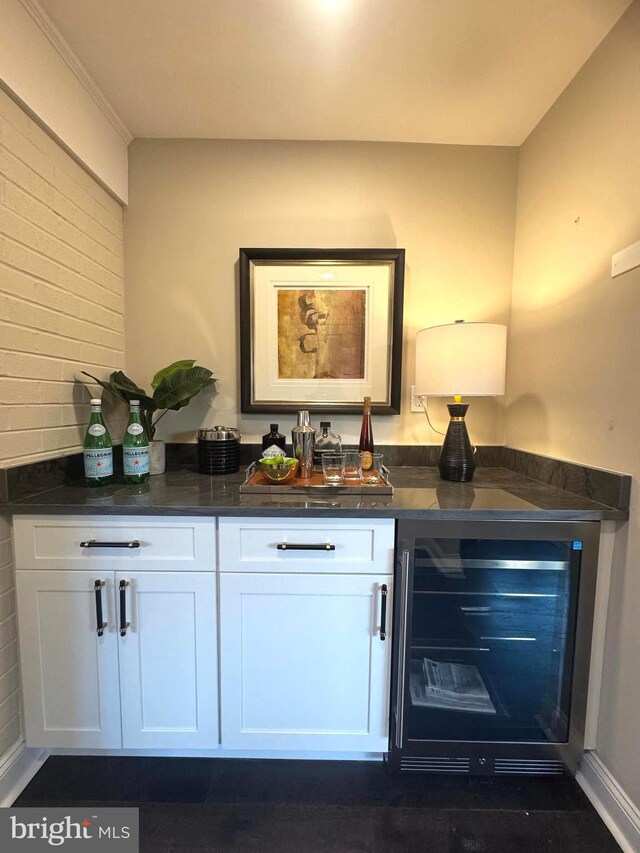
[(321, 333)]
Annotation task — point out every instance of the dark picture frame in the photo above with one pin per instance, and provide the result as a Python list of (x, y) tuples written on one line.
[(260, 327)]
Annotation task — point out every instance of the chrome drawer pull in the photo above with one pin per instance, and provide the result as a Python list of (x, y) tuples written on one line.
[(92, 543), (292, 546)]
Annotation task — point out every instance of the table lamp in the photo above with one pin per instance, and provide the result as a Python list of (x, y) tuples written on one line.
[(460, 360)]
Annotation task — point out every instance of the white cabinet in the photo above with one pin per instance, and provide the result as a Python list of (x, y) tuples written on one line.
[(151, 679), (304, 646), (303, 663), (70, 678), (168, 660), (305, 634)]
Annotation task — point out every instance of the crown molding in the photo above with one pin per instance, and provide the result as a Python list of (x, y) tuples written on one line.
[(68, 56)]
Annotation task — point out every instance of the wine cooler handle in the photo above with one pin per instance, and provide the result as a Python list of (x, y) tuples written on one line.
[(383, 612), (293, 546), (123, 608), (402, 647), (100, 625)]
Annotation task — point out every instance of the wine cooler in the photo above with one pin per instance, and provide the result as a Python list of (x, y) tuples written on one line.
[(492, 646)]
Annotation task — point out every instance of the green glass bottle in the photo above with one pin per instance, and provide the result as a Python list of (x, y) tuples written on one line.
[(135, 448), (97, 449)]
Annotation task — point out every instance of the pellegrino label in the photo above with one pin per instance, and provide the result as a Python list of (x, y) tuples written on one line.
[(98, 463), (97, 429), (135, 429), (136, 460)]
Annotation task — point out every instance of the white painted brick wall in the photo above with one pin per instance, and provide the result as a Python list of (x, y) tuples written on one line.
[(61, 291), (61, 311)]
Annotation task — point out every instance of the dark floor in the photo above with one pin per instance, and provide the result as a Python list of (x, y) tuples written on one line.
[(200, 804)]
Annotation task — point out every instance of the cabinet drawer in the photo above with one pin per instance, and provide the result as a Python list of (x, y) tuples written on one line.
[(55, 542), (301, 545)]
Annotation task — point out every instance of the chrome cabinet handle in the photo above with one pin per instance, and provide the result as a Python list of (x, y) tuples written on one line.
[(92, 543), (100, 625), (292, 546), (123, 608), (402, 657), (383, 612)]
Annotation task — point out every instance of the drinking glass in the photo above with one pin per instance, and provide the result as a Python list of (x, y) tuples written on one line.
[(372, 475), (333, 468), (353, 468)]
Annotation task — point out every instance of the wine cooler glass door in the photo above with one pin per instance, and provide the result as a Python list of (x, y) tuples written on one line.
[(490, 639)]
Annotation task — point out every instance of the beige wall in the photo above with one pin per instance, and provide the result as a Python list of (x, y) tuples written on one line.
[(40, 69), (61, 310), (193, 204), (573, 366)]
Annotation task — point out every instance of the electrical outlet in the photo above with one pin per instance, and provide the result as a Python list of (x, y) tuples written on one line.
[(416, 401)]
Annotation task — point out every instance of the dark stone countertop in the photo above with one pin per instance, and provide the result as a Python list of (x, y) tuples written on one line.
[(494, 494)]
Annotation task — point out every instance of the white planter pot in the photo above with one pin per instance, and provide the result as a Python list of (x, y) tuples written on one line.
[(156, 457)]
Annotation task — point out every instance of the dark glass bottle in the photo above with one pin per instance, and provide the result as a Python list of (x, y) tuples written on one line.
[(274, 437), (135, 448), (366, 436), (98, 452)]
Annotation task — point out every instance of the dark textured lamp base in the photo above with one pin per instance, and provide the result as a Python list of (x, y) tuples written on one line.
[(456, 473), (457, 461)]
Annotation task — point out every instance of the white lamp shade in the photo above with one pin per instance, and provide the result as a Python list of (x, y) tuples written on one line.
[(461, 358)]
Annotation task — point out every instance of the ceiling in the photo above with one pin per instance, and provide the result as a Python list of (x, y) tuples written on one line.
[(449, 71)]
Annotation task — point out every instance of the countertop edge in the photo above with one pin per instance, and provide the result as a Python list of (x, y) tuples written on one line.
[(604, 514)]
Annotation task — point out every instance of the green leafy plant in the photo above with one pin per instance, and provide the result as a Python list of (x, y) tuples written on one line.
[(172, 388)]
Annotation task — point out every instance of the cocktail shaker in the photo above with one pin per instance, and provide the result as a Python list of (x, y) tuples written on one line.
[(303, 437)]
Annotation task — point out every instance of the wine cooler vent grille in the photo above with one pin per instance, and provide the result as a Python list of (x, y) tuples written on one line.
[(435, 764), (529, 766)]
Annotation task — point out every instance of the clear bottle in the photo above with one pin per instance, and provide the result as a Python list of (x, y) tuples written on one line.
[(135, 448), (365, 445), (273, 437), (326, 442), (97, 449)]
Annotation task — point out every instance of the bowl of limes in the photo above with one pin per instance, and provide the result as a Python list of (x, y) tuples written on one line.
[(279, 469)]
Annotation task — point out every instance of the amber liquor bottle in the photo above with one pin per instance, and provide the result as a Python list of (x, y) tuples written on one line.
[(366, 436)]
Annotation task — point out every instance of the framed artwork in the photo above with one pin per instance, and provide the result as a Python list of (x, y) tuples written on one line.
[(320, 329)]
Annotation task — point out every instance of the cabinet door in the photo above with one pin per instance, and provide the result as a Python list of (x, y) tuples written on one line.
[(69, 673), (168, 660), (303, 662)]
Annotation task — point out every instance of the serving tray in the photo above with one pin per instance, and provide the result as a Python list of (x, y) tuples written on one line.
[(256, 483)]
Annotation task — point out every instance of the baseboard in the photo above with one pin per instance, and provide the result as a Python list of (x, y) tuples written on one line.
[(615, 808), (19, 766), (285, 755)]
